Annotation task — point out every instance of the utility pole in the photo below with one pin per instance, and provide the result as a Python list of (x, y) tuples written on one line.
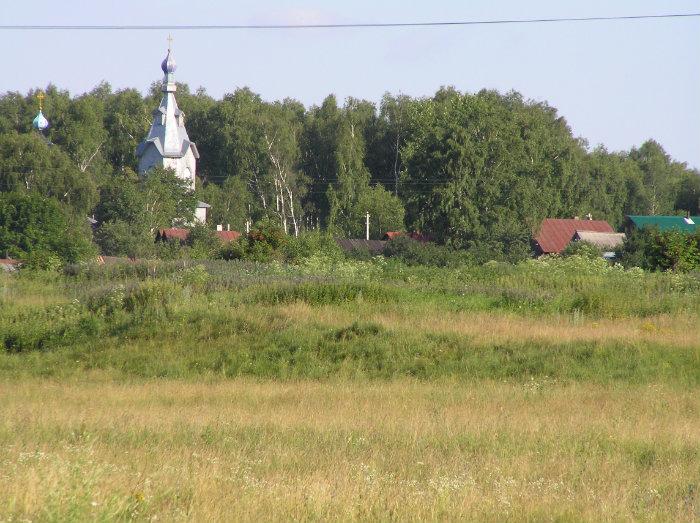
[(367, 226)]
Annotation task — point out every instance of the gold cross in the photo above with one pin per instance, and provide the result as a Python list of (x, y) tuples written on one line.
[(170, 42), (41, 97)]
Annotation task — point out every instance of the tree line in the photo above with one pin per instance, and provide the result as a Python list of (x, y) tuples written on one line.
[(473, 171)]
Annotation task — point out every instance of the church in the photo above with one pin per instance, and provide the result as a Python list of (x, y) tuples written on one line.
[(167, 144)]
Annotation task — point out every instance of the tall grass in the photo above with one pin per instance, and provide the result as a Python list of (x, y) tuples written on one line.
[(573, 319), (92, 450)]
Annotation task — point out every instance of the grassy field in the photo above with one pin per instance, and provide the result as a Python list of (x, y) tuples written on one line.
[(405, 450), (558, 390)]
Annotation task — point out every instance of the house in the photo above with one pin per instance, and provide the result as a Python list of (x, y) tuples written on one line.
[(9, 265), (172, 233), (375, 247), (181, 234), (607, 242), (228, 236), (418, 236), (555, 234), (663, 223)]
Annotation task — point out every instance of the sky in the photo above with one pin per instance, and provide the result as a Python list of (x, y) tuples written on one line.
[(616, 83)]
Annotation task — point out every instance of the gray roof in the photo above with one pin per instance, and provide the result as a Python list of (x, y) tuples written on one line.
[(603, 240)]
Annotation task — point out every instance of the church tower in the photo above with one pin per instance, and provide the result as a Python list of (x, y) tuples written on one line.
[(167, 144)]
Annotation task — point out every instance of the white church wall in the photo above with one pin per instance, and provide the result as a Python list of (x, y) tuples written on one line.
[(200, 215)]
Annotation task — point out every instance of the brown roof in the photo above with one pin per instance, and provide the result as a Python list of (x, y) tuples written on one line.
[(555, 234), (178, 233), (228, 236), (373, 246), (390, 235), (418, 236), (173, 233)]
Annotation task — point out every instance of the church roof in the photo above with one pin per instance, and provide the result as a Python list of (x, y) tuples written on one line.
[(40, 122), (167, 132)]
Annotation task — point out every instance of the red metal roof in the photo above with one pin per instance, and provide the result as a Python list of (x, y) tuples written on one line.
[(228, 236), (390, 235), (174, 233), (178, 233), (555, 234), (418, 236)]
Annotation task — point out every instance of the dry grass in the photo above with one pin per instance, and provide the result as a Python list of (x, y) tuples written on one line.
[(494, 327), (402, 450)]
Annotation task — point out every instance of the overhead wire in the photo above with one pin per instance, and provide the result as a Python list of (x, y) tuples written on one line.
[(352, 25)]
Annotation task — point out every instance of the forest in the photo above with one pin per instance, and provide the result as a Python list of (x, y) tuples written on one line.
[(476, 172)]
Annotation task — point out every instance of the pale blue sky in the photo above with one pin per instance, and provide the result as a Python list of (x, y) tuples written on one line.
[(616, 83)]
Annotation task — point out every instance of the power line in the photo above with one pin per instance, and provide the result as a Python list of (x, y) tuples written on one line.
[(207, 27)]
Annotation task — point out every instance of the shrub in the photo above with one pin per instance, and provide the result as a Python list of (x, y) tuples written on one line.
[(581, 248), (196, 276), (119, 238), (43, 260), (265, 242), (30, 222), (204, 243), (152, 297), (413, 252), (310, 244), (107, 300), (652, 249), (233, 250)]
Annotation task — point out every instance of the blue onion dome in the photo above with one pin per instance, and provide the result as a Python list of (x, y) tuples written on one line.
[(40, 122), (168, 66)]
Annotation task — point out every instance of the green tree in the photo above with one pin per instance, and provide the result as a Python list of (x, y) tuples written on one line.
[(82, 134), (652, 249), (386, 213), (485, 169), (126, 121), (318, 160), (122, 238), (661, 175), (32, 225), (167, 199), (230, 202), (28, 163), (688, 193)]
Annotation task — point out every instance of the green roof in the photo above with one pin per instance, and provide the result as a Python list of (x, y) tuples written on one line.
[(666, 223)]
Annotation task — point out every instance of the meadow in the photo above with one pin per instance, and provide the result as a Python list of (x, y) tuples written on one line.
[(560, 389)]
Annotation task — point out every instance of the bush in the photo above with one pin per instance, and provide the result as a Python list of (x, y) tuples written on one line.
[(30, 222), (583, 249), (309, 244), (265, 242), (413, 252), (43, 260), (119, 238), (652, 249), (204, 243), (152, 297), (233, 250)]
